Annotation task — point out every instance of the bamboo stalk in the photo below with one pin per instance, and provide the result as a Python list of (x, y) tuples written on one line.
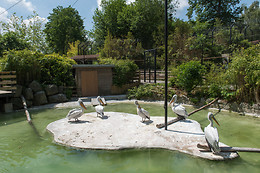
[(181, 118)]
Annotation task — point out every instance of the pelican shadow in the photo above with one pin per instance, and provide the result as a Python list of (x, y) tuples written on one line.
[(104, 117), (79, 122), (148, 122), (176, 131)]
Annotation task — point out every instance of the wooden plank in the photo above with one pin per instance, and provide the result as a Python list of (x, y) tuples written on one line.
[(7, 76), (7, 72), (229, 149), (6, 82), (181, 118), (7, 88)]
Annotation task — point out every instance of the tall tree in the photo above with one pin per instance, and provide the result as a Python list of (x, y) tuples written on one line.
[(65, 26), (209, 11), (251, 18)]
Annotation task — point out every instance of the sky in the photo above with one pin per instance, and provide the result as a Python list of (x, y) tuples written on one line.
[(85, 8)]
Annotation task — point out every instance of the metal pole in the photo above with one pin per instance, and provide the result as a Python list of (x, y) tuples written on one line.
[(144, 67), (155, 65), (166, 63)]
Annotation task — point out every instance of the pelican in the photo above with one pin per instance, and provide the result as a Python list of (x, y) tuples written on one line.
[(99, 108), (142, 112), (211, 134), (177, 108), (76, 113)]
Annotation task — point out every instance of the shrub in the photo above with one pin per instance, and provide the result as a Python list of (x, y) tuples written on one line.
[(150, 92), (32, 65), (189, 75), (25, 63), (56, 69), (244, 73), (124, 70)]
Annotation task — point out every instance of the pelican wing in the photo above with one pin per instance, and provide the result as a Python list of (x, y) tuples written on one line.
[(146, 113), (74, 113), (180, 110), (211, 135), (99, 109)]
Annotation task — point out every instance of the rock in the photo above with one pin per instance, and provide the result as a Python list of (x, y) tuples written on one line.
[(35, 86), (17, 103), (18, 91), (122, 130), (28, 94), (51, 90), (58, 98), (40, 98)]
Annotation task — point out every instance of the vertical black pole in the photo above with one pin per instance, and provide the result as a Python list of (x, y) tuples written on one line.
[(144, 67), (155, 65), (149, 67), (166, 63)]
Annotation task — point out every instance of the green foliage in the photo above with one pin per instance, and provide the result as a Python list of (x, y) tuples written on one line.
[(121, 48), (73, 49), (56, 69), (32, 65), (28, 33), (64, 26), (226, 10), (189, 75), (25, 63), (124, 70), (141, 18), (244, 73), (149, 92), (12, 41)]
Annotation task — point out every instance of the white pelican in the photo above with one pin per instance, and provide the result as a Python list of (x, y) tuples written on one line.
[(177, 108), (142, 112), (76, 113), (99, 108), (211, 134)]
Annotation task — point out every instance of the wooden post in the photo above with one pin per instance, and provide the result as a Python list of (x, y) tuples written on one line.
[(26, 110), (181, 118), (229, 149)]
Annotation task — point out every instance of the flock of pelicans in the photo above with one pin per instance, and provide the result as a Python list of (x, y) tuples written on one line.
[(211, 133)]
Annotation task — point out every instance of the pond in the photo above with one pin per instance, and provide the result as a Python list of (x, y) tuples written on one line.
[(24, 149)]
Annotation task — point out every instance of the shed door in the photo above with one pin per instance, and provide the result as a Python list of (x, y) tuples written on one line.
[(89, 83)]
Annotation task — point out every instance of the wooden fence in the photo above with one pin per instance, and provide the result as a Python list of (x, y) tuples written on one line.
[(8, 81)]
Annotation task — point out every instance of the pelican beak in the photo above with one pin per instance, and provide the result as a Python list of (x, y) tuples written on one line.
[(171, 101), (82, 105), (215, 120), (102, 103)]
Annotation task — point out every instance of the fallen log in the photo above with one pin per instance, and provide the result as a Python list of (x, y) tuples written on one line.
[(205, 148), (28, 117), (181, 118)]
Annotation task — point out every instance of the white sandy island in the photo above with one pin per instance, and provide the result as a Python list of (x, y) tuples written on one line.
[(122, 131)]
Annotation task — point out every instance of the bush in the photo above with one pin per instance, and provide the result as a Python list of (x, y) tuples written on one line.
[(25, 63), (32, 65), (149, 92), (56, 69), (124, 70), (189, 75), (244, 74)]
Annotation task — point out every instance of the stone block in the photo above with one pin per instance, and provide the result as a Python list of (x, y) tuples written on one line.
[(40, 98), (28, 94), (58, 98), (35, 86), (51, 90)]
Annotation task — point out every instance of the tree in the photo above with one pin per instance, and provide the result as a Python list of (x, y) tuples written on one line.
[(19, 33), (65, 26), (225, 10), (250, 17), (11, 41), (142, 18)]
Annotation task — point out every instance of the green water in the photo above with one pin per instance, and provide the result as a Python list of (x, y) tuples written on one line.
[(24, 149)]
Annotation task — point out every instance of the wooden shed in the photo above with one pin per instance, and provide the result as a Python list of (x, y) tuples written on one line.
[(93, 80)]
